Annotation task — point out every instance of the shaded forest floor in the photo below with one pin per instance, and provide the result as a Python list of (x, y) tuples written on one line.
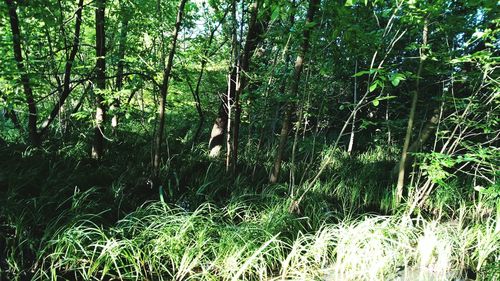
[(63, 217)]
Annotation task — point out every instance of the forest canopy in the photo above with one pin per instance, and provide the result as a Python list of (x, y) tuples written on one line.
[(249, 140)]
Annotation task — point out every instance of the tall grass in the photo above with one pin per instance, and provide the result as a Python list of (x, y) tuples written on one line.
[(161, 242), (61, 219)]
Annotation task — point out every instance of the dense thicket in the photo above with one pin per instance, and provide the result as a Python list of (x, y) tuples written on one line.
[(271, 125)]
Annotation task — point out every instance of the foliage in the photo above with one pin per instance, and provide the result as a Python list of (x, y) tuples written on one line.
[(334, 128)]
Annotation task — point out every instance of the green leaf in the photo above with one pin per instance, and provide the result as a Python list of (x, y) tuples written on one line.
[(376, 102), (275, 14), (397, 78), (309, 25), (348, 3), (395, 82), (373, 86), (361, 73)]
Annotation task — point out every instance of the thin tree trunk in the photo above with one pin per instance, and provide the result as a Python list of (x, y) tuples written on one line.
[(294, 147), (281, 147), (164, 90), (239, 81), (67, 70), (255, 31), (229, 116), (11, 114), (52, 55), (80, 100), (286, 118), (120, 67), (220, 125), (424, 135), (302, 108), (235, 59), (387, 120), (353, 127), (411, 119), (131, 96), (25, 80), (429, 127), (196, 97), (100, 115), (196, 91), (299, 65)]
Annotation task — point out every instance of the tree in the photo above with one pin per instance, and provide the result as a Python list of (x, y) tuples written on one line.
[(25, 79), (237, 83), (100, 81), (294, 89), (411, 117), (34, 134), (207, 53), (122, 44), (221, 126), (164, 90), (256, 29)]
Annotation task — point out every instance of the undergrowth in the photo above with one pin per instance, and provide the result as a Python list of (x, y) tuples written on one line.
[(62, 219)]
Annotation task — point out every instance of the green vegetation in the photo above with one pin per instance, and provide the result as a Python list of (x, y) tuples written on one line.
[(249, 140)]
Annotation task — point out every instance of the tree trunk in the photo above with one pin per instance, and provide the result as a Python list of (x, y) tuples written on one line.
[(100, 81), (429, 127), (387, 120), (164, 91), (196, 92), (411, 119), (222, 122), (34, 136), (302, 108), (229, 107), (299, 65), (355, 101), (11, 114), (67, 70), (284, 130), (255, 31), (218, 129), (121, 65), (426, 132)]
